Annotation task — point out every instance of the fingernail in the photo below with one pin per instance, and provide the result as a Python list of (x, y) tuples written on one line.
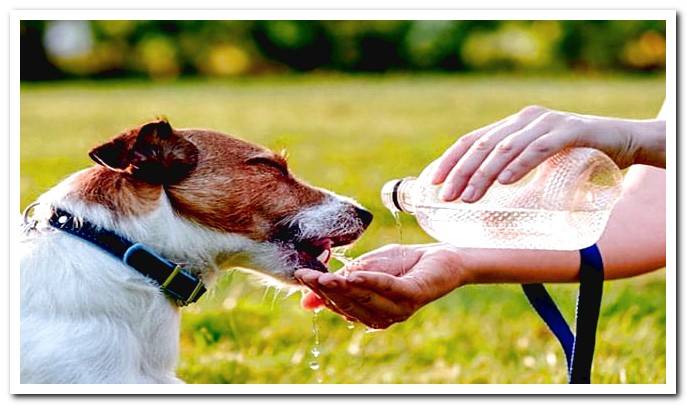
[(435, 177), (468, 194), (505, 176), (447, 193)]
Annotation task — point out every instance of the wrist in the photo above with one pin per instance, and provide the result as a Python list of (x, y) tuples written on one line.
[(652, 143), (647, 138), (461, 264)]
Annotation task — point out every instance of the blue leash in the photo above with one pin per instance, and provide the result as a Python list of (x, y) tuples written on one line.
[(579, 348)]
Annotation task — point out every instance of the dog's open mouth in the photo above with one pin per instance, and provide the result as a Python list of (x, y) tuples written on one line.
[(308, 245), (314, 254)]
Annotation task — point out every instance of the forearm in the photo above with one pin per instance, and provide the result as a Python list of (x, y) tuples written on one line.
[(633, 242)]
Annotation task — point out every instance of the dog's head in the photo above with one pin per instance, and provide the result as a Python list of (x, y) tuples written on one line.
[(274, 223)]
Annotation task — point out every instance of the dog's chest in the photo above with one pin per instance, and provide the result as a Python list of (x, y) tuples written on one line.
[(82, 306)]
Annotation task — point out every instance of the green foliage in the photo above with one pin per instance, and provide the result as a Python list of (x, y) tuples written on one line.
[(167, 49), (351, 134)]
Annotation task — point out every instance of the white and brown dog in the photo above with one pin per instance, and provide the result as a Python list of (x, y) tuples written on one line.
[(197, 197)]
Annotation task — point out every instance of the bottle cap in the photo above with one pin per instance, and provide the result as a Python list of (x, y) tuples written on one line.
[(390, 195)]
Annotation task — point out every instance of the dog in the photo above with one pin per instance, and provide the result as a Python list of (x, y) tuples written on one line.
[(197, 198)]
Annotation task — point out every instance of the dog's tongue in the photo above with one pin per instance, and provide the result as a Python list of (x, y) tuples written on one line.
[(317, 263), (325, 255)]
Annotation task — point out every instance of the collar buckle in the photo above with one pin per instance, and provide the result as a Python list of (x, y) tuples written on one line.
[(175, 281)]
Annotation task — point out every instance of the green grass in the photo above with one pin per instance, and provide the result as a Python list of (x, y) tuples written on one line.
[(351, 134)]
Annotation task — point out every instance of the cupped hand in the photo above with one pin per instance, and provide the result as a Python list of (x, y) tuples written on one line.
[(387, 285), (508, 149)]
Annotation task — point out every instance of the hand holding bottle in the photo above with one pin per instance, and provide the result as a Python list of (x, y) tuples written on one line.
[(508, 149), (564, 205)]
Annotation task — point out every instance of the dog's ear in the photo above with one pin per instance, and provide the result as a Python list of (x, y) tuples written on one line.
[(152, 152)]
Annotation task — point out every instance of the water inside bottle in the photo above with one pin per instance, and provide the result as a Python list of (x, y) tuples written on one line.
[(564, 204), (513, 228)]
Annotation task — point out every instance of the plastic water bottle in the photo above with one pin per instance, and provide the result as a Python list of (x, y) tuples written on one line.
[(564, 204)]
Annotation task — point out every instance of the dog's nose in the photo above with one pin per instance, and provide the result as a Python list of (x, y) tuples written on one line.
[(364, 215)]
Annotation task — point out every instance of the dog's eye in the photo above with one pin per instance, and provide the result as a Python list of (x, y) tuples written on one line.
[(267, 161)]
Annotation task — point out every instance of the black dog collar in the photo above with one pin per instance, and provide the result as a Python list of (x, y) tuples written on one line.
[(179, 284)]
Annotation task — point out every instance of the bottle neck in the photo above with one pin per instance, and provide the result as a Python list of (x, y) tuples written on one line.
[(397, 195), (405, 195)]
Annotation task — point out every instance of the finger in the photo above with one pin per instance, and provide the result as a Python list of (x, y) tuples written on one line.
[(306, 275), (365, 305), (349, 298), (459, 176), (312, 281), (536, 153), (504, 153), (316, 289), (309, 278), (456, 151), (394, 288)]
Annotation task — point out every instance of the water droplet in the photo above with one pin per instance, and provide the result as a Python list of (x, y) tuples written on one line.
[(350, 325), (315, 329), (315, 351), (372, 330)]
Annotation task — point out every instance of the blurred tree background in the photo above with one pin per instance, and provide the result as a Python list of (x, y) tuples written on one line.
[(170, 49)]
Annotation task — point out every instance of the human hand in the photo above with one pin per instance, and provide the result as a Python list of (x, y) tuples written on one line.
[(387, 285), (508, 149)]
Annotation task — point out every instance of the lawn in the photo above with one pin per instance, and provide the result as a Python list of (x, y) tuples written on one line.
[(350, 134)]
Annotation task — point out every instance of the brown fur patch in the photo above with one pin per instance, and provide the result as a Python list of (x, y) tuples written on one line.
[(233, 186), (118, 192)]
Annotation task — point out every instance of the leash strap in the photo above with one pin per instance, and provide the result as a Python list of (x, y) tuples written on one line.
[(578, 348), (178, 283)]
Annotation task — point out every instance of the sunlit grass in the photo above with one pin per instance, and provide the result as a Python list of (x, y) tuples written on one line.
[(351, 134)]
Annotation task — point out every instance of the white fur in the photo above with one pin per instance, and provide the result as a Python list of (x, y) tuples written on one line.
[(333, 217), (88, 318)]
